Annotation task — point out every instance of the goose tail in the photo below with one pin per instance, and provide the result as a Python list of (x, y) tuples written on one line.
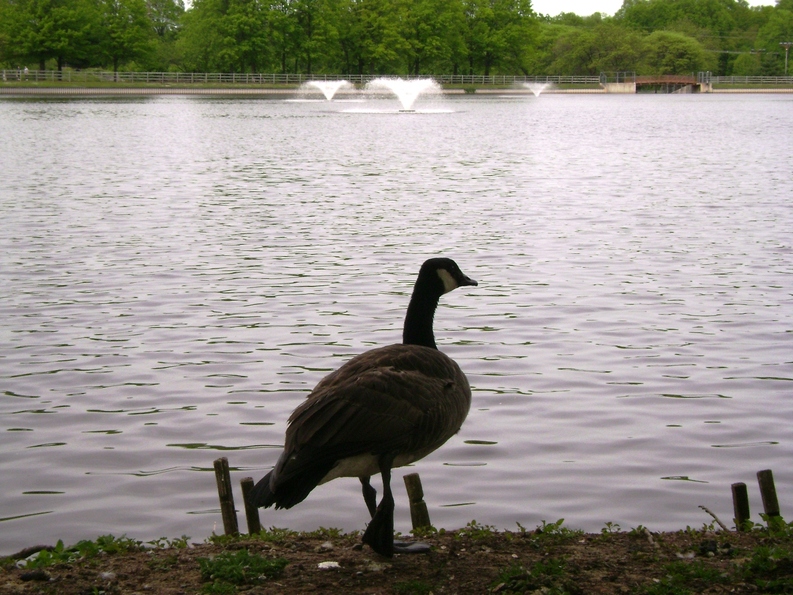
[(261, 496), (284, 490)]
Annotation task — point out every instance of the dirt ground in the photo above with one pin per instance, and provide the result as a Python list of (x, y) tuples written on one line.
[(471, 560)]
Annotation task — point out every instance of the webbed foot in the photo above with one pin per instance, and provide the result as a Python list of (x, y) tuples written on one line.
[(379, 535), (411, 547)]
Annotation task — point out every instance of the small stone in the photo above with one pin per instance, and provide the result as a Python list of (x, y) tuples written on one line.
[(328, 565), (107, 576), (325, 547)]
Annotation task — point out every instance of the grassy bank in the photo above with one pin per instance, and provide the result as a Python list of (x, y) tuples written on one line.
[(550, 559)]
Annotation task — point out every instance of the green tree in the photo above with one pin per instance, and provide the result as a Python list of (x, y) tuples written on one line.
[(244, 31), (225, 35), (619, 49), (370, 36), (748, 64), (165, 17), (498, 34), (386, 46), (721, 26), (432, 30), (312, 32), (590, 51), (197, 38), (344, 17), (281, 26), (540, 55), (574, 53), (41, 30), (710, 15), (778, 28), (5, 18), (667, 52), (573, 20), (126, 31)]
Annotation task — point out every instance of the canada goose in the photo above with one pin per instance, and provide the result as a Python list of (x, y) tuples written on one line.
[(384, 408)]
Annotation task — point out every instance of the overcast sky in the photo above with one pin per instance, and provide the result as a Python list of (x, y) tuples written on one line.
[(587, 7)]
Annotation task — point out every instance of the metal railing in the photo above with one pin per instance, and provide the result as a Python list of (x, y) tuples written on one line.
[(289, 79), (701, 77), (752, 80), (226, 78)]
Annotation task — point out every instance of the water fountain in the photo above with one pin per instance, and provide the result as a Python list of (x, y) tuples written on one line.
[(328, 88), (536, 88), (407, 91)]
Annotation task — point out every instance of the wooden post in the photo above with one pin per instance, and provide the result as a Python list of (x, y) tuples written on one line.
[(740, 503), (767, 490), (223, 479), (251, 512), (419, 515)]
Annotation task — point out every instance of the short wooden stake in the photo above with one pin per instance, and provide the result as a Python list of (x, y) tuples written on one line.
[(767, 490), (740, 503), (223, 479), (419, 515), (251, 512)]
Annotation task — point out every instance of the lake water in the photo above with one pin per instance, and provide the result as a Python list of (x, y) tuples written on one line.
[(177, 273)]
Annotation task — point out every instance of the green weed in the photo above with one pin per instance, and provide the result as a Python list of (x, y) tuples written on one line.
[(323, 533), (610, 528), (232, 569), (85, 549), (476, 531), (770, 569), (271, 535), (639, 531), (776, 526), (684, 578), (548, 577), (163, 543), (161, 564), (550, 533)]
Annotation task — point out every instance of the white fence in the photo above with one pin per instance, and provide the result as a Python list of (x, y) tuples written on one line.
[(752, 80), (225, 78), (215, 78)]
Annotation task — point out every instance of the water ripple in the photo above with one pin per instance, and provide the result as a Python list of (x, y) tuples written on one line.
[(164, 302)]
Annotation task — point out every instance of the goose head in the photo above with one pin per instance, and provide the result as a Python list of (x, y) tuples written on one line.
[(441, 275)]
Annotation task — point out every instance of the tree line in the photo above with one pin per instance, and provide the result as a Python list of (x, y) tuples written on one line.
[(403, 37)]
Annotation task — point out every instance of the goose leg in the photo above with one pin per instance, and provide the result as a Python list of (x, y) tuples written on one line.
[(369, 495), (379, 534)]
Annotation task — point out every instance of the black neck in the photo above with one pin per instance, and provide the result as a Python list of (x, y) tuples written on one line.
[(418, 321)]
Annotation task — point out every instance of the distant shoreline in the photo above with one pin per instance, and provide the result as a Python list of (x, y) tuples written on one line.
[(69, 91)]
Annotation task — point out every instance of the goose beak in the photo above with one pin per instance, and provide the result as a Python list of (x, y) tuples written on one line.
[(468, 281)]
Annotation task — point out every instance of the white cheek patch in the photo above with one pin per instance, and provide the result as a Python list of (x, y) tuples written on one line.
[(449, 282)]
